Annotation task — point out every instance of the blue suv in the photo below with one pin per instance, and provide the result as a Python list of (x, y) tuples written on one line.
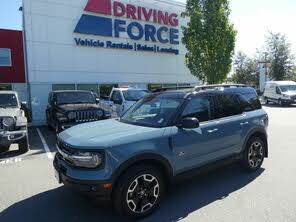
[(166, 135)]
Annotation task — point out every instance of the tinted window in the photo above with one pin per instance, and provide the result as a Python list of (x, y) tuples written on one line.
[(134, 95), (253, 100), (8, 100), (245, 105), (200, 108), (154, 111), (288, 88), (75, 98), (228, 105), (278, 91), (116, 97)]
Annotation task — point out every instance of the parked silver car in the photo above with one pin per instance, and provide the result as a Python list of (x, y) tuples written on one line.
[(13, 122)]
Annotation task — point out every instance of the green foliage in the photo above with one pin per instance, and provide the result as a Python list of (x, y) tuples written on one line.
[(245, 70), (282, 61), (209, 39)]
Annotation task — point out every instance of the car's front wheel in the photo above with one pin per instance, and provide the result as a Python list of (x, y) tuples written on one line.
[(139, 191), (254, 154), (23, 144)]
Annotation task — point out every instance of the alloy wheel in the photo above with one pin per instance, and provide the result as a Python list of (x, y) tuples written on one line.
[(143, 193), (255, 155)]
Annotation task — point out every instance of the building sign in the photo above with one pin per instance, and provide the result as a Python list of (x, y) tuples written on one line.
[(159, 27)]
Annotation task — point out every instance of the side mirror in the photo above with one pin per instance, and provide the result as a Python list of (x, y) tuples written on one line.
[(189, 123), (97, 100)]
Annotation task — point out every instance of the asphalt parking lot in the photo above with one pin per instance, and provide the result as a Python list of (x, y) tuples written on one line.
[(29, 191)]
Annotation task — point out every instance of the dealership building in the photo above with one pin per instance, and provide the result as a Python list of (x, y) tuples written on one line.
[(98, 44)]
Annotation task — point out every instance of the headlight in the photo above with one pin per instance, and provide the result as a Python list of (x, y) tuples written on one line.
[(61, 117), (8, 121), (86, 159), (286, 96), (72, 115)]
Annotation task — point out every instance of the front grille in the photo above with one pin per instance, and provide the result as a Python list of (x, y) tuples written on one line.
[(86, 116)]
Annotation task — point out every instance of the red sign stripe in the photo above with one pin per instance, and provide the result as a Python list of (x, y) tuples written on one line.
[(99, 6)]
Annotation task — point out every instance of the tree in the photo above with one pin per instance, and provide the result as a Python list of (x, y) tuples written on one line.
[(282, 61), (209, 39), (245, 70)]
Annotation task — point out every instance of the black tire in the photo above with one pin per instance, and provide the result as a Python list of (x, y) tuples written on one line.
[(280, 102), (4, 148), (128, 188), (253, 160), (266, 100), (23, 144)]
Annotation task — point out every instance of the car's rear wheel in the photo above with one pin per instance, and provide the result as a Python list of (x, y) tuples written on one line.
[(254, 154), (139, 192), (4, 148)]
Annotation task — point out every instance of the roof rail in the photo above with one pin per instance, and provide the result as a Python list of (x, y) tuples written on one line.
[(164, 89), (217, 86)]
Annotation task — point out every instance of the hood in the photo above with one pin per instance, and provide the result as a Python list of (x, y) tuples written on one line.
[(290, 93), (77, 107), (10, 112), (107, 134)]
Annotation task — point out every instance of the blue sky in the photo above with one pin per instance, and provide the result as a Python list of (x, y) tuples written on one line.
[(252, 19)]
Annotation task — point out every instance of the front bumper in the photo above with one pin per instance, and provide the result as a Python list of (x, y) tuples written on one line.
[(94, 188), (13, 135)]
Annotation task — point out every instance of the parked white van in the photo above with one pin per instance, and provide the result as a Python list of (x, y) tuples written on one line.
[(121, 99), (280, 92)]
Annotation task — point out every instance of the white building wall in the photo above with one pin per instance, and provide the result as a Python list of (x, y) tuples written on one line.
[(53, 56), (21, 88)]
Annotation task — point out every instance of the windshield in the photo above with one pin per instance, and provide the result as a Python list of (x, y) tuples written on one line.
[(134, 95), (153, 111), (288, 88), (8, 100), (75, 98)]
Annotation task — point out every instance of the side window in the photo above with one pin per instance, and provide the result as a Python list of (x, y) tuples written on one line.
[(245, 105), (200, 108), (116, 97), (228, 105), (278, 91), (253, 99)]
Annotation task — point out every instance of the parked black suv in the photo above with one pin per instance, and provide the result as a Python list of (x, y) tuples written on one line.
[(68, 108)]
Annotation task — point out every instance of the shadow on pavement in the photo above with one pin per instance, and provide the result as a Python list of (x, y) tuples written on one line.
[(64, 205), (11, 154)]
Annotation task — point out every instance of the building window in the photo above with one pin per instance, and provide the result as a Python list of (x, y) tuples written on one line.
[(5, 87), (184, 84), (153, 87), (89, 87), (106, 89), (170, 85), (56, 87), (5, 57)]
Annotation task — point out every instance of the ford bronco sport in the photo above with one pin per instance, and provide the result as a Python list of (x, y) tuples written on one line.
[(163, 136)]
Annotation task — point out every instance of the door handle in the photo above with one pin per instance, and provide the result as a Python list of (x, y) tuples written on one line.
[(212, 131), (245, 123)]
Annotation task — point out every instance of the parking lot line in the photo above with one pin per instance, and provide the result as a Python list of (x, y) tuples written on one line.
[(49, 155)]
